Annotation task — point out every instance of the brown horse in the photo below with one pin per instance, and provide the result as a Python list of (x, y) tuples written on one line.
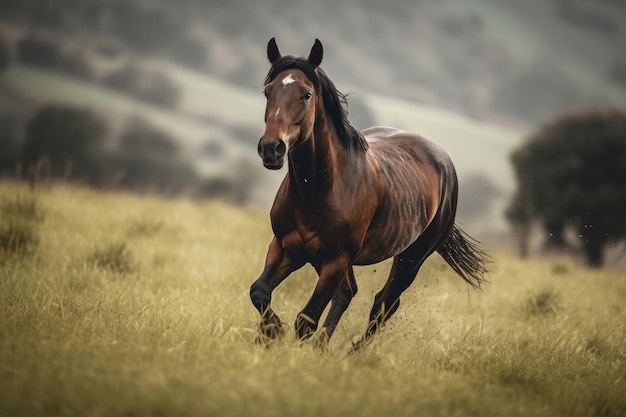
[(350, 198)]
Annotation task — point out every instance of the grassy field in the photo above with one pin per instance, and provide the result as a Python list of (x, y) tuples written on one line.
[(118, 305)]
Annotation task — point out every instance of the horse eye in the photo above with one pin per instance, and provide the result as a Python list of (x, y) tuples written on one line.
[(308, 96), (265, 94)]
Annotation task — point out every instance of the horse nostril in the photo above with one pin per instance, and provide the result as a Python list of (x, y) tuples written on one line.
[(260, 148), (281, 148)]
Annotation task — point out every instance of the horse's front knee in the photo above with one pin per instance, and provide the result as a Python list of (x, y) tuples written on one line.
[(261, 295)]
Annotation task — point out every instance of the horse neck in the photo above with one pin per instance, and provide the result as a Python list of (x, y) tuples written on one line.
[(314, 164)]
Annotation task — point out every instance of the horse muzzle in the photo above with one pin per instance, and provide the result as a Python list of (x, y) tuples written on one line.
[(272, 152)]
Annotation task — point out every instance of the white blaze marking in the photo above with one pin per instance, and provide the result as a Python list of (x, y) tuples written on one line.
[(277, 111), (288, 80)]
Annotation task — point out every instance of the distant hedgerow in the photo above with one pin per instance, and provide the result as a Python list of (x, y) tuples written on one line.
[(115, 257), (20, 217)]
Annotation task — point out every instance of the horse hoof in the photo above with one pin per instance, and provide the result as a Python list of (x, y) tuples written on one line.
[(270, 328), (305, 327)]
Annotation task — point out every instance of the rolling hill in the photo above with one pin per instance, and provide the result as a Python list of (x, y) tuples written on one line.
[(475, 76), (211, 107)]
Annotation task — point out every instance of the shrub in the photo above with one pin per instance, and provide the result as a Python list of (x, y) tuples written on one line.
[(67, 137), (20, 218), (542, 303), (114, 257), (22, 206), (18, 236), (145, 227)]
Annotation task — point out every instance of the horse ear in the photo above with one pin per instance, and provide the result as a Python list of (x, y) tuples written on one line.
[(273, 54), (317, 52)]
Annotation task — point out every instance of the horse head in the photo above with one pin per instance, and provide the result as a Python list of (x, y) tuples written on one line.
[(291, 92)]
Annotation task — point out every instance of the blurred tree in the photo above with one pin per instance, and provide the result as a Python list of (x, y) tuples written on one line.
[(140, 137), (571, 174), (9, 150), (76, 66), (70, 139), (38, 52), (148, 86), (147, 159), (5, 56), (123, 79), (519, 214), (44, 53), (237, 188)]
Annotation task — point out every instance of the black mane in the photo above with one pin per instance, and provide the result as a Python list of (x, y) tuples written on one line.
[(335, 102)]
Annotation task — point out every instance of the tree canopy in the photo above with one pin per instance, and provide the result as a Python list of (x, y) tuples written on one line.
[(70, 139), (571, 174)]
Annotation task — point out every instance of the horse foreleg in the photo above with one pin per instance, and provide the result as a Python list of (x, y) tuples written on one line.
[(405, 267), (278, 265), (331, 275)]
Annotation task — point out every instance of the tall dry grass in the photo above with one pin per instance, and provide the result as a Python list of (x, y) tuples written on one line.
[(173, 331)]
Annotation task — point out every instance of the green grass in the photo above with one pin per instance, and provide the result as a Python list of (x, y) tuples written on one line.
[(175, 334)]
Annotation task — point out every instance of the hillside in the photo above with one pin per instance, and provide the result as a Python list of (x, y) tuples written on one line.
[(488, 59), (461, 136), (113, 304), (456, 72)]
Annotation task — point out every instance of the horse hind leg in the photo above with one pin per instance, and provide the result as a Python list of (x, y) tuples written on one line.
[(403, 272), (386, 302)]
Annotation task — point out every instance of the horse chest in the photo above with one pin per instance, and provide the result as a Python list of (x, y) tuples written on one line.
[(314, 238), (303, 243)]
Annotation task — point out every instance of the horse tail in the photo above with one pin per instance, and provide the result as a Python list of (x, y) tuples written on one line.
[(466, 256)]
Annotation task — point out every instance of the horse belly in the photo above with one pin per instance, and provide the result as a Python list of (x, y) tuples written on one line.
[(384, 241), (401, 218)]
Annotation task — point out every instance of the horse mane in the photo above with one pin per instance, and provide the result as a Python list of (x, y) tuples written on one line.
[(335, 102)]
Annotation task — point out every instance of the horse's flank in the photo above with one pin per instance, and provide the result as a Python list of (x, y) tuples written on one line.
[(409, 171)]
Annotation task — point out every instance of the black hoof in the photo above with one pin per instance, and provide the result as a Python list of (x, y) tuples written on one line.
[(305, 327), (270, 327)]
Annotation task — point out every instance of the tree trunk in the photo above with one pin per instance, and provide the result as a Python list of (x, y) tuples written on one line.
[(523, 233), (594, 253)]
